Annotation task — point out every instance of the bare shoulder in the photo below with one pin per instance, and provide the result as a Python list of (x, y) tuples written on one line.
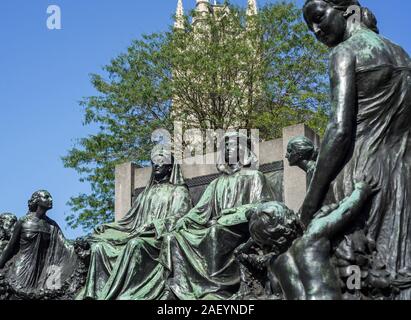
[(367, 48), (342, 57)]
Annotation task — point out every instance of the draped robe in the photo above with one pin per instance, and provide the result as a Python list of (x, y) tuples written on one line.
[(161, 204), (382, 151), (201, 255), (41, 259)]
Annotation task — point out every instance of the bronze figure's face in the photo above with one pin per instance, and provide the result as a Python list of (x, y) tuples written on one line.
[(292, 155), (327, 23), (45, 200), (40, 199), (300, 149), (162, 166), (235, 149), (231, 151)]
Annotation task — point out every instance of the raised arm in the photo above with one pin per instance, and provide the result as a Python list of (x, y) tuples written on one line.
[(12, 246), (339, 136), (334, 222)]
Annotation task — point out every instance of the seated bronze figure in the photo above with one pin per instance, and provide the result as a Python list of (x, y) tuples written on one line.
[(124, 261), (201, 248)]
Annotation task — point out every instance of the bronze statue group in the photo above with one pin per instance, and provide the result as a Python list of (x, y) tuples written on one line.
[(240, 241)]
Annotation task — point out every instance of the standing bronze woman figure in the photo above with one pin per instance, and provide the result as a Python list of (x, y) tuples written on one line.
[(369, 132), (38, 260)]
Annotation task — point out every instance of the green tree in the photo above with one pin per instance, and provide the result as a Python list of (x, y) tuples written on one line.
[(223, 71)]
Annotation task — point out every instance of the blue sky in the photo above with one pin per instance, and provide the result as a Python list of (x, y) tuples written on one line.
[(45, 73)]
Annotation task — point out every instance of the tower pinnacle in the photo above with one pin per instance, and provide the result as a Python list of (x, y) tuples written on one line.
[(202, 6), (202, 10), (179, 23), (252, 9)]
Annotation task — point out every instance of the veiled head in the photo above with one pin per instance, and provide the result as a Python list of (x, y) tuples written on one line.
[(162, 162), (237, 149)]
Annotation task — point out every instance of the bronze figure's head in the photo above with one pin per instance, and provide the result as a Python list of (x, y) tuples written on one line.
[(41, 198), (328, 19), (162, 162), (273, 226), (300, 149)]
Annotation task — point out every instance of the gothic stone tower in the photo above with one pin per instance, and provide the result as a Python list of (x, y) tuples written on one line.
[(202, 12)]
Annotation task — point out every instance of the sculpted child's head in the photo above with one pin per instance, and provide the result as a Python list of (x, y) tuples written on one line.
[(273, 226)]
